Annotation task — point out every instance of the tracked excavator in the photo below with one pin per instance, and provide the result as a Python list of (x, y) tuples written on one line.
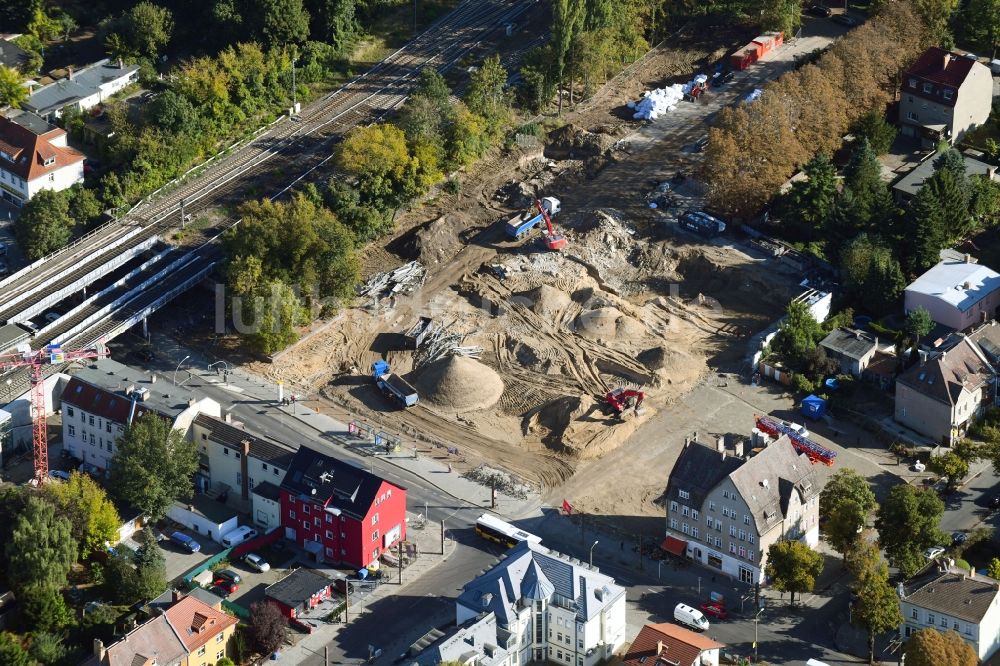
[(624, 403)]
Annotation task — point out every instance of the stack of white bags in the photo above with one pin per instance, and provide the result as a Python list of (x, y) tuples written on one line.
[(655, 103)]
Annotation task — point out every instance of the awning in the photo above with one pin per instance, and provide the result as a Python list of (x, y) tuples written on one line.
[(674, 546)]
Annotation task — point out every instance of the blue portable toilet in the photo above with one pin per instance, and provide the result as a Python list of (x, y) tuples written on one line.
[(832, 383), (813, 406)]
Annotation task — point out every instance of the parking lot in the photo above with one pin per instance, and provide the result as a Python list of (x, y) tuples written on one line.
[(179, 560)]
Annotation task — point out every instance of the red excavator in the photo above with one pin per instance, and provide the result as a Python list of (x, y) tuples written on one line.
[(624, 403), (553, 241)]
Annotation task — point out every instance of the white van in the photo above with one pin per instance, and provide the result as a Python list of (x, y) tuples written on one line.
[(691, 617), (238, 536)]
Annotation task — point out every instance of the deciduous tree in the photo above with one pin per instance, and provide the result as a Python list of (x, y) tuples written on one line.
[(12, 653), (993, 568), (91, 514), (950, 466), (147, 28), (12, 91), (844, 525), (154, 466), (930, 647), (487, 93), (918, 323), (907, 523), (876, 608), (268, 627), (846, 484), (44, 224), (283, 21), (793, 567)]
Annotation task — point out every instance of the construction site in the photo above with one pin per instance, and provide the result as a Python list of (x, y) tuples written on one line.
[(537, 356)]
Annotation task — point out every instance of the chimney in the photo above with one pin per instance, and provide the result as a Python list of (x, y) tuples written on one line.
[(991, 173), (659, 648), (192, 402), (966, 285), (229, 417), (923, 356), (738, 448), (121, 65), (720, 445), (968, 257), (70, 72), (176, 595), (687, 442), (99, 650), (857, 335), (947, 59)]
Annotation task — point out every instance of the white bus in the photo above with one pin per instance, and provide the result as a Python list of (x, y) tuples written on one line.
[(494, 529)]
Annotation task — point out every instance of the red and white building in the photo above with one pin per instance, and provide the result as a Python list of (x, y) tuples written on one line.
[(338, 512), (34, 157)]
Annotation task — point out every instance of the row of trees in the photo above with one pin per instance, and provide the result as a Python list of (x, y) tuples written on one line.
[(755, 147)]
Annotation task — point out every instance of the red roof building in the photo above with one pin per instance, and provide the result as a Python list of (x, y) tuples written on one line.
[(944, 95), (672, 645), (34, 157)]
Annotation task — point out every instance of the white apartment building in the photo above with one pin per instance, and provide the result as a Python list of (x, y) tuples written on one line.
[(34, 157), (549, 606), (81, 90)]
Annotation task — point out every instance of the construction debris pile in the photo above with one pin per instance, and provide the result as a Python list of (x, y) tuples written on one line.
[(441, 342), (403, 280), (655, 103), (502, 481)]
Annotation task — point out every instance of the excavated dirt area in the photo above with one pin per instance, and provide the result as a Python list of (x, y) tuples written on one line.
[(630, 302)]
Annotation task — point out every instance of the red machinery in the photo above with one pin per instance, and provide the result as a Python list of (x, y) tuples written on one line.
[(814, 451), (624, 401), (34, 360), (553, 241)]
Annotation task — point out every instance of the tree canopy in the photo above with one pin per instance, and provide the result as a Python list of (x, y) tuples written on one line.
[(44, 224), (877, 604), (907, 523), (154, 466), (41, 548), (91, 514), (12, 92), (930, 647), (793, 567), (268, 627)]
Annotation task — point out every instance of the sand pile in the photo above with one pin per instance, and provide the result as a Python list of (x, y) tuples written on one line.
[(576, 426), (547, 301), (439, 240), (459, 384), (608, 323)]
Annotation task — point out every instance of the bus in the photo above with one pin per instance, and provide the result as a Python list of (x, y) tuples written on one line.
[(494, 529)]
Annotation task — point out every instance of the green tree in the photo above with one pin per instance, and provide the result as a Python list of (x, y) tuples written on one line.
[(928, 233), (872, 275), (863, 178), (41, 547), (878, 131), (798, 335), (428, 111), (877, 606), (338, 23), (146, 28), (268, 627), (84, 206), (907, 523), (980, 25), (378, 157), (48, 647), (154, 466), (283, 21), (993, 568), (44, 608), (120, 578), (936, 16), (91, 514), (984, 200), (844, 526), (150, 567), (225, 661), (930, 647), (44, 224), (846, 485), (918, 323), (567, 21), (793, 567), (277, 312), (487, 93), (540, 74), (950, 466), (173, 112), (808, 204), (11, 651), (12, 92), (952, 197)]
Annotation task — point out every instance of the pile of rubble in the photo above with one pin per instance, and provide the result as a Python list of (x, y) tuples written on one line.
[(403, 280)]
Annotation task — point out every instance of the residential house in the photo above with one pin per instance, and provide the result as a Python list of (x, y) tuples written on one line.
[(232, 458), (956, 600), (34, 156), (299, 591), (13, 56), (851, 348), (100, 401), (906, 188), (204, 515), (958, 294), (188, 633), (81, 90), (265, 505), (548, 607), (944, 392), (478, 642), (338, 512), (725, 510), (943, 96), (672, 644)]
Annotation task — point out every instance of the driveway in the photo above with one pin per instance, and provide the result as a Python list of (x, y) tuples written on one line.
[(178, 560)]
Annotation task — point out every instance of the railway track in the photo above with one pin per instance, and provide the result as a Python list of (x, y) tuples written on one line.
[(300, 146)]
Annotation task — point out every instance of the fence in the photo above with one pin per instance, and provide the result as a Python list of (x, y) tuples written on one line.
[(207, 564), (235, 609), (257, 542)]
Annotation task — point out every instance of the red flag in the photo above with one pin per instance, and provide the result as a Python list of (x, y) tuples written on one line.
[(567, 507)]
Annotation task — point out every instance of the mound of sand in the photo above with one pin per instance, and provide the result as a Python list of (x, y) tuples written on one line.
[(548, 301), (577, 427), (459, 384), (609, 323)]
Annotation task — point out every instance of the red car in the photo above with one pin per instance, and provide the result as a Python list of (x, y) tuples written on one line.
[(227, 585), (715, 610)]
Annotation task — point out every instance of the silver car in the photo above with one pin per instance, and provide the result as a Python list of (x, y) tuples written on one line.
[(255, 561)]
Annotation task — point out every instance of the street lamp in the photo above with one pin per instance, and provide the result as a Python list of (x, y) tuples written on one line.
[(592, 553), (756, 621), (179, 367)]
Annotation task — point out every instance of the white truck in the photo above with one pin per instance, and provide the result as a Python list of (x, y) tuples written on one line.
[(690, 617)]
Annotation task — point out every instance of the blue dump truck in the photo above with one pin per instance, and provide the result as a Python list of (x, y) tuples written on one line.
[(393, 386), (521, 224), (701, 223)]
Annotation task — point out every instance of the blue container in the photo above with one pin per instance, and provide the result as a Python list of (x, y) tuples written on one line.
[(813, 407)]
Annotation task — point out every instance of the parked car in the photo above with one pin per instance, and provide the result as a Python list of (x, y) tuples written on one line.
[(958, 538), (228, 575), (715, 610), (229, 586), (238, 536), (845, 19), (184, 541), (934, 552), (58, 474), (820, 10), (690, 617), (221, 591), (255, 561), (52, 316)]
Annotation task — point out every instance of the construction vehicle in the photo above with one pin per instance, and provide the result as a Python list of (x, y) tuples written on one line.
[(624, 403), (702, 223), (35, 360), (393, 386), (521, 224), (799, 437), (553, 241)]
